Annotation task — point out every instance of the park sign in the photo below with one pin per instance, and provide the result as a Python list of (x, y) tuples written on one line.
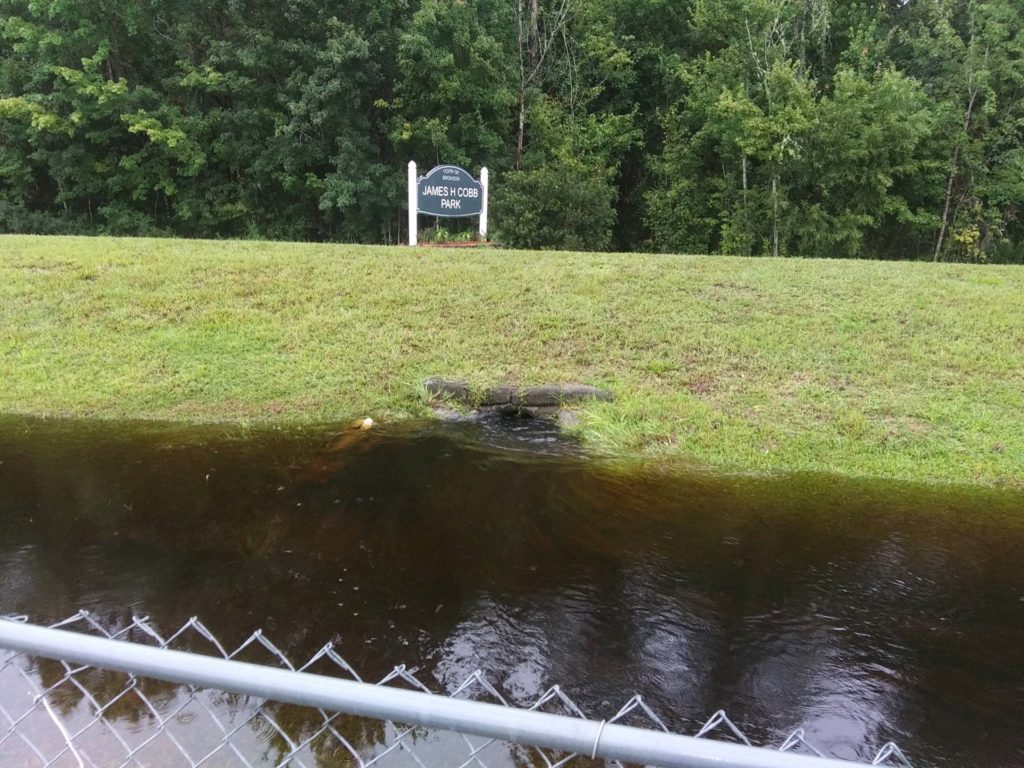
[(448, 191)]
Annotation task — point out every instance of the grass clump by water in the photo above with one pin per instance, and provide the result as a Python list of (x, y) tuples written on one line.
[(902, 370)]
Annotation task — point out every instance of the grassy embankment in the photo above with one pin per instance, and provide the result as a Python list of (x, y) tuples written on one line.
[(907, 370)]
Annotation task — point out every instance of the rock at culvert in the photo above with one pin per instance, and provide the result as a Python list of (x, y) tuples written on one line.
[(575, 393), (551, 396), (541, 397), (567, 419), (500, 396), (533, 402), (447, 389)]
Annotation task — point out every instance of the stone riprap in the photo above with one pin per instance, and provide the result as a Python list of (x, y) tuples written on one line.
[(501, 396), (447, 389), (545, 400)]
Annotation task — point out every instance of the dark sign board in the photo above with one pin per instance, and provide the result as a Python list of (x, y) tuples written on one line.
[(449, 191)]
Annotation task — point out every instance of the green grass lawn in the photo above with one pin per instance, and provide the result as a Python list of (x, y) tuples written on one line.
[(904, 370)]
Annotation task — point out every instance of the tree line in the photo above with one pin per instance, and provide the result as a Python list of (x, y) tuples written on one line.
[(886, 129)]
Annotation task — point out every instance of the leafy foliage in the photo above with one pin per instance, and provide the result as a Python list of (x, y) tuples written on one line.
[(786, 127), (562, 205)]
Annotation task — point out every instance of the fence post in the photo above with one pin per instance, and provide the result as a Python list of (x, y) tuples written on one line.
[(413, 205)]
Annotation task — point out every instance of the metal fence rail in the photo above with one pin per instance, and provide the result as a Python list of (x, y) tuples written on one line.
[(97, 697)]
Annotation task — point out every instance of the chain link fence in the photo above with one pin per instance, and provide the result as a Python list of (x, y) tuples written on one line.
[(99, 696)]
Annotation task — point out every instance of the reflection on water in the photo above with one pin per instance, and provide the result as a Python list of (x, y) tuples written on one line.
[(862, 612)]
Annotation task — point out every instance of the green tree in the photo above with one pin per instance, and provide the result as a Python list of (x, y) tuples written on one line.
[(970, 54), (454, 101), (579, 127), (764, 156)]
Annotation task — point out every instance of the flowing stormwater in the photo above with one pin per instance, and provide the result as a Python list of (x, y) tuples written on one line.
[(861, 611)]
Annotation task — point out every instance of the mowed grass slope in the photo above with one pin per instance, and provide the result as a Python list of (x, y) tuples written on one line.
[(907, 370)]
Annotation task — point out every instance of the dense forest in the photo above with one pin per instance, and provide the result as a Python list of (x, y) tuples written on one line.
[(821, 128)]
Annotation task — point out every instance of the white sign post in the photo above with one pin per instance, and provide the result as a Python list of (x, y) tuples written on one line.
[(484, 177), (413, 204), (447, 191)]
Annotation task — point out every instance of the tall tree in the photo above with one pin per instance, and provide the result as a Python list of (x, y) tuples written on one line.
[(453, 101), (971, 56), (562, 189)]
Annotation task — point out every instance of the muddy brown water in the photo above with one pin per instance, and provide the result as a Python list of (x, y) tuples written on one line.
[(862, 612)]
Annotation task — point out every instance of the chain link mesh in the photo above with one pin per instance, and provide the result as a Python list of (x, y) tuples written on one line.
[(54, 713)]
